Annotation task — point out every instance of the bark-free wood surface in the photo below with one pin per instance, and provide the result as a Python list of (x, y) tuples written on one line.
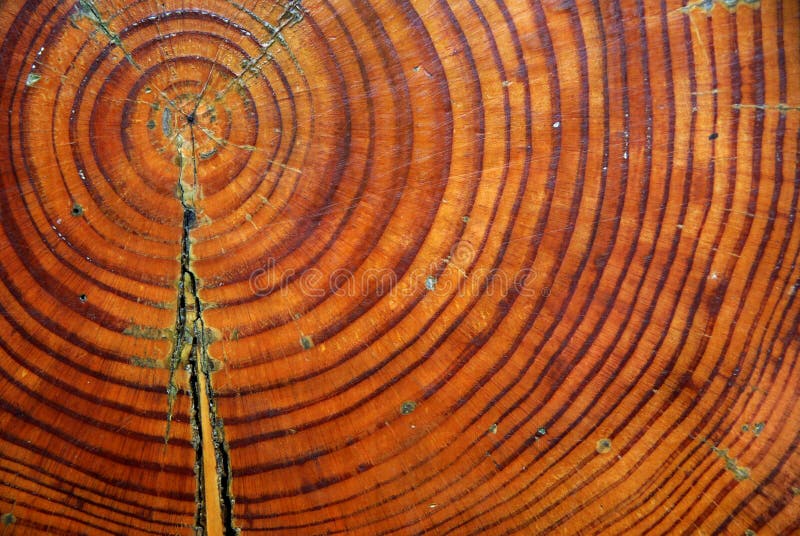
[(443, 267)]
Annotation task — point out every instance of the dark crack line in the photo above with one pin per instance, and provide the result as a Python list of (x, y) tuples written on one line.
[(197, 440), (191, 337), (202, 364), (191, 351), (181, 350)]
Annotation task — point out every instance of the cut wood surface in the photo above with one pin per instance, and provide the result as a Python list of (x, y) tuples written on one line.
[(445, 267)]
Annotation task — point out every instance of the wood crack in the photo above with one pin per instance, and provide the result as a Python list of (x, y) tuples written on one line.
[(214, 498), (214, 514)]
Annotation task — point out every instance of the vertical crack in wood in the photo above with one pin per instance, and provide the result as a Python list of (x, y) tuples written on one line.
[(214, 496), (213, 457), (214, 513)]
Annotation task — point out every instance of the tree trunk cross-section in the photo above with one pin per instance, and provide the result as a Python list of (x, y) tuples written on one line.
[(447, 267)]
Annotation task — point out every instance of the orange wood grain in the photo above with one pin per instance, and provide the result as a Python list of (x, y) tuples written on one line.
[(450, 267)]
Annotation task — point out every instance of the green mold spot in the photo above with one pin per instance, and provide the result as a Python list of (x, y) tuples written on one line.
[(147, 362), (8, 519), (211, 335), (493, 429), (756, 428), (306, 342), (708, 5), (408, 407), (151, 124), (430, 283), (603, 446), (147, 332), (739, 473), (77, 210), (166, 122), (32, 79), (214, 365)]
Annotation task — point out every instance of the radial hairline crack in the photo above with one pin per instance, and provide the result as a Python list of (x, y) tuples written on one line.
[(249, 148), (292, 14), (114, 38)]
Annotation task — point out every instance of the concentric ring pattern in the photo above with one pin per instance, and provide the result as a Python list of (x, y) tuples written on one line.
[(444, 267)]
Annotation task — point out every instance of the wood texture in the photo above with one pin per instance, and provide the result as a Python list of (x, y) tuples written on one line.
[(446, 267)]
